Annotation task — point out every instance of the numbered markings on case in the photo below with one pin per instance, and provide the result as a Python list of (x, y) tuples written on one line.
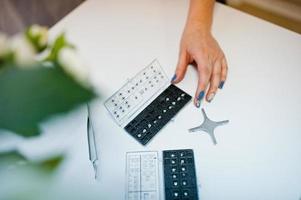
[(136, 92), (179, 175), (142, 176), (157, 114)]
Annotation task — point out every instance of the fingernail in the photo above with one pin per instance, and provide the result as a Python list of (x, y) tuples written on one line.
[(221, 85), (201, 96), (174, 78), (211, 97)]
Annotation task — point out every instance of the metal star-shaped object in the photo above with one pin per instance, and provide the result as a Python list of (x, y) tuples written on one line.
[(208, 126)]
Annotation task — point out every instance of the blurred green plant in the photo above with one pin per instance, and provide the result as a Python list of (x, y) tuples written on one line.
[(14, 160), (39, 79), (24, 179)]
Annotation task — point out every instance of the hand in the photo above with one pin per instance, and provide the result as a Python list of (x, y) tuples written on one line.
[(201, 48)]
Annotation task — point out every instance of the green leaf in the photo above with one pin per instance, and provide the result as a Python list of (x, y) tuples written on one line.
[(29, 96), (10, 157), (58, 44), (14, 158)]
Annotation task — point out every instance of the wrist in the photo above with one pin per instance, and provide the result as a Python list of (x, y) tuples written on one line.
[(197, 26), (200, 16)]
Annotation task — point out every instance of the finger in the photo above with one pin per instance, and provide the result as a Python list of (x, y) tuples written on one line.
[(204, 77), (181, 67), (224, 73), (214, 80)]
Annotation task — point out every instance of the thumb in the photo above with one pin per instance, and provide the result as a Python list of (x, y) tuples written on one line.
[(181, 68)]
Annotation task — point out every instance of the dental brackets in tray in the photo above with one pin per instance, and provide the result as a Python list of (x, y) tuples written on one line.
[(136, 92), (131, 107)]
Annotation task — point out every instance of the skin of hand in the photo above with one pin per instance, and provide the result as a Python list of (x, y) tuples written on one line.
[(199, 46)]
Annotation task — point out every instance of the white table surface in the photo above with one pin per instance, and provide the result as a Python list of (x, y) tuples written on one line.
[(258, 155)]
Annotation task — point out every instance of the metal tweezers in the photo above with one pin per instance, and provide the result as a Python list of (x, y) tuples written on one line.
[(93, 157)]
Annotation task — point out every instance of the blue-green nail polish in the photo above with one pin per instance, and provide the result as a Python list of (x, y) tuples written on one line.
[(201, 95), (221, 85), (174, 78)]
